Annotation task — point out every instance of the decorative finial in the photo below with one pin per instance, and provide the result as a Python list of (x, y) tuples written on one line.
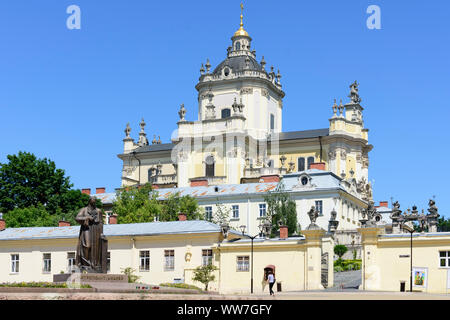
[(154, 139), (142, 124), (208, 66), (159, 139), (127, 130), (263, 63), (242, 14), (202, 69), (182, 112), (335, 107)]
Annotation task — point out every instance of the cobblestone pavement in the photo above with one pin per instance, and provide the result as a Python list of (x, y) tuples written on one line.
[(349, 281)]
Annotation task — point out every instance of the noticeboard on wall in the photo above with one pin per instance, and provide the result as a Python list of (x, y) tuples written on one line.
[(420, 277)]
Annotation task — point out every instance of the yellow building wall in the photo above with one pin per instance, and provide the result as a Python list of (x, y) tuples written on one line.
[(384, 268)]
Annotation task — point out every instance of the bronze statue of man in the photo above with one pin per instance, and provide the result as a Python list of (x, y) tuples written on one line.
[(92, 244)]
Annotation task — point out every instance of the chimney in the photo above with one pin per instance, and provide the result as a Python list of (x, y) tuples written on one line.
[(86, 191), (199, 183), (271, 178), (284, 232), (63, 224), (318, 166), (182, 216), (100, 190), (2, 225), (384, 204), (113, 219)]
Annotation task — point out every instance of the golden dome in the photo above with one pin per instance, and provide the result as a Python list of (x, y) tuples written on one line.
[(241, 31)]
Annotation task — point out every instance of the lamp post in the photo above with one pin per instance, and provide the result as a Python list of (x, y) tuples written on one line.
[(405, 227), (261, 226)]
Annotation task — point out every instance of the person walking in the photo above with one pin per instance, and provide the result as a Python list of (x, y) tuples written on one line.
[(271, 280)]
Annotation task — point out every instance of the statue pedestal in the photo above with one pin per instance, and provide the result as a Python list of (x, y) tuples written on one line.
[(102, 282)]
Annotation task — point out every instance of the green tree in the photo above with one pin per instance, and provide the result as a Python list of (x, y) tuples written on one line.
[(136, 205), (222, 214), (443, 224), (30, 217), (175, 204), (281, 209), (340, 250), (29, 186), (204, 274), (132, 278)]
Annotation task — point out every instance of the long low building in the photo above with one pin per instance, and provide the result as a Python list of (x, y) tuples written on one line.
[(247, 206), (168, 252)]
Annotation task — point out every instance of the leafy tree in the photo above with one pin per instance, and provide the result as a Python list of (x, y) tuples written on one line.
[(281, 209), (34, 193), (340, 250), (30, 217), (222, 214), (443, 224), (26, 181), (175, 204), (141, 204), (136, 205), (204, 274)]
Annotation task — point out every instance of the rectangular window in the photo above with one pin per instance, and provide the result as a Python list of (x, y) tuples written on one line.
[(444, 257), (169, 257), (47, 260), (310, 162), (243, 264), (319, 207), (207, 256), (108, 261), (70, 261), (235, 212), (144, 258), (15, 263), (208, 213), (262, 209), (272, 122), (301, 164)]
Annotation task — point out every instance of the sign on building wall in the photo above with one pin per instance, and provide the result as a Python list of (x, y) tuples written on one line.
[(420, 277)]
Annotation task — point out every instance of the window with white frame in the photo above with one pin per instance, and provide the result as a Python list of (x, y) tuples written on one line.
[(208, 213), (310, 162), (319, 207), (444, 257), (262, 209), (243, 263), (47, 263), (70, 261), (300, 164), (207, 257), (14, 263), (235, 211), (144, 258), (169, 257)]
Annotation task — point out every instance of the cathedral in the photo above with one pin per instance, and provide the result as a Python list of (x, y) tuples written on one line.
[(238, 140)]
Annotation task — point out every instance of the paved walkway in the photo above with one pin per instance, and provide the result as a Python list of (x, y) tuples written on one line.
[(348, 281), (309, 295)]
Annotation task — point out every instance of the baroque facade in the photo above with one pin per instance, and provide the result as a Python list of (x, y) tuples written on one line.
[(238, 140)]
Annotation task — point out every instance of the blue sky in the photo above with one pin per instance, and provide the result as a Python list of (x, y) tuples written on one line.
[(68, 94)]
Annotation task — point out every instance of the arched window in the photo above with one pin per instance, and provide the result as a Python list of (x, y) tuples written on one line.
[(301, 164), (238, 46), (310, 162), (209, 166), (226, 113)]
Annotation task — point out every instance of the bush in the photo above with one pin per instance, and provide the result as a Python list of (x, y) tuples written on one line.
[(340, 250), (338, 269), (180, 285), (348, 265), (40, 285), (132, 278)]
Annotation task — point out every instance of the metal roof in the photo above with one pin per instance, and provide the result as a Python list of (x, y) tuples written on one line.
[(306, 134), (114, 230), (155, 148)]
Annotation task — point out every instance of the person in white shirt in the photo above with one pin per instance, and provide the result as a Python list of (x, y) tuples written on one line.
[(271, 280)]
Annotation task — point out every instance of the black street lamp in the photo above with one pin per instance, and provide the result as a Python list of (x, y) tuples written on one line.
[(261, 227), (411, 230)]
